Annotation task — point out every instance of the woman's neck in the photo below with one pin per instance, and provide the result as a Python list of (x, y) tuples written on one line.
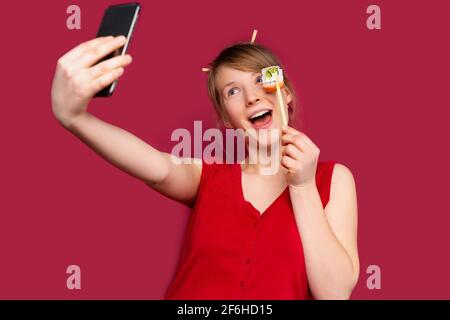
[(263, 162), (262, 168)]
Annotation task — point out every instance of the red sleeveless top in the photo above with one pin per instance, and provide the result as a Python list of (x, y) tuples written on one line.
[(232, 252)]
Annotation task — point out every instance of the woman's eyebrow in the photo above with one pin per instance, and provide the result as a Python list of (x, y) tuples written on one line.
[(229, 83)]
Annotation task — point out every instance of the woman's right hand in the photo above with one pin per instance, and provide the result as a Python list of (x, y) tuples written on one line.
[(78, 78)]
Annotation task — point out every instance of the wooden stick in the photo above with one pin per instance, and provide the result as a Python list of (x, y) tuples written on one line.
[(255, 32), (281, 103)]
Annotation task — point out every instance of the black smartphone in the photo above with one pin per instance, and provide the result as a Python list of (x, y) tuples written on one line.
[(118, 20)]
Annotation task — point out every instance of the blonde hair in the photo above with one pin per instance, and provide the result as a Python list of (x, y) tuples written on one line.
[(249, 57)]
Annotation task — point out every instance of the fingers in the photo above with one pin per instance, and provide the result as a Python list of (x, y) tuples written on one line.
[(290, 130), (108, 65), (296, 140), (92, 55), (105, 80), (303, 136), (288, 162), (78, 50), (291, 151)]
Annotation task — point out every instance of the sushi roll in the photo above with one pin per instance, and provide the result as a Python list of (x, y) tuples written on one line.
[(269, 78)]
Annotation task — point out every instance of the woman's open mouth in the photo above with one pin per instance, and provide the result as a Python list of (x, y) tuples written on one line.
[(262, 119)]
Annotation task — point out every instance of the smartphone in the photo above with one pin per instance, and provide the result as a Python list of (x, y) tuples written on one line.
[(118, 20)]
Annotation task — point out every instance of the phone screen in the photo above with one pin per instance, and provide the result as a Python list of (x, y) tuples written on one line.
[(118, 20)]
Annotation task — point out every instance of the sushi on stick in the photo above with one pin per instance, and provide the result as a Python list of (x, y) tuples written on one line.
[(272, 79)]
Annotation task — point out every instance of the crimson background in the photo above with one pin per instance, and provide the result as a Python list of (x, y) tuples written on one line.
[(376, 101)]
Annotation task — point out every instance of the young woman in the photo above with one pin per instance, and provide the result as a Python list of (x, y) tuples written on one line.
[(288, 235)]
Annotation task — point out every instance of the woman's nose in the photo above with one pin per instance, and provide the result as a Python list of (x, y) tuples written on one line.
[(251, 101)]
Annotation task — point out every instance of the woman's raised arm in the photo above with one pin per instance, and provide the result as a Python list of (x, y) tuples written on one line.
[(76, 81)]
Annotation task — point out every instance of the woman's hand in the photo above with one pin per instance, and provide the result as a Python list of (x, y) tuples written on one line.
[(78, 78), (300, 156)]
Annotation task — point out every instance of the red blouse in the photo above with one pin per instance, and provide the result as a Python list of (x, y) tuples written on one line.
[(231, 251)]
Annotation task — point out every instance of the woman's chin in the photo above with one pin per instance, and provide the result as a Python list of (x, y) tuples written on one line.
[(265, 137)]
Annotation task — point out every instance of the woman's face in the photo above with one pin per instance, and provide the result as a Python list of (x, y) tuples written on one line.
[(244, 98)]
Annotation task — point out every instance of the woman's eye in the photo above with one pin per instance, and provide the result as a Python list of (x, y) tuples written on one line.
[(232, 91), (259, 79)]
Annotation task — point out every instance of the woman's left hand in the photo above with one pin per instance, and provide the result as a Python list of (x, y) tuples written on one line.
[(300, 156)]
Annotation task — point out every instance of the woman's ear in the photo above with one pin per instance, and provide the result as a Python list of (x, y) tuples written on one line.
[(227, 124), (288, 94)]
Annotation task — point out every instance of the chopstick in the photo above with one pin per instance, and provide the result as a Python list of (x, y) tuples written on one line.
[(255, 32), (281, 103)]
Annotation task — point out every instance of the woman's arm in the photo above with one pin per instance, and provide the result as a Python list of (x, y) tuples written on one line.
[(132, 155), (77, 78), (329, 236)]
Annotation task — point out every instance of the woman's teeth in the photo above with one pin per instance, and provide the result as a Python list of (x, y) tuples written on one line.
[(261, 119), (260, 114)]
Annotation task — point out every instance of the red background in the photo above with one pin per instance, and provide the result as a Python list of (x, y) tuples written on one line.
[(376, 101)]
